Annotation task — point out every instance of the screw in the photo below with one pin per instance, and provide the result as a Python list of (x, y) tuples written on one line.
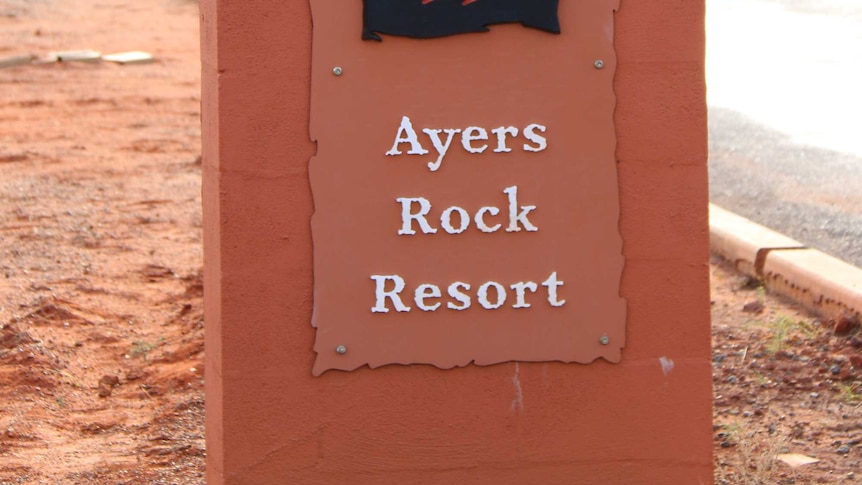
[(604, 340), (337, 70), (599, 63), (341, 350)]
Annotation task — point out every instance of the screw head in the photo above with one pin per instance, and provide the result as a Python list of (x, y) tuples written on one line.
[(341, 350), (337, 70), (599, 63), (605, 340)]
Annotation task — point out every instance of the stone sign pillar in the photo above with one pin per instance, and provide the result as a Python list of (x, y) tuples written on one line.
[(456, 241)]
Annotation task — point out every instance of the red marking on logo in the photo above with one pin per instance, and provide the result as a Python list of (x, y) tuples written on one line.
[(466, 2)]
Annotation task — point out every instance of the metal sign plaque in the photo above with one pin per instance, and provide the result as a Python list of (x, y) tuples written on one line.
[(465, 184)]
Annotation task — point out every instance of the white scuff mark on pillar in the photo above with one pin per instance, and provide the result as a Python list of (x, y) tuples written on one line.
[(666, 365), (518, 402)]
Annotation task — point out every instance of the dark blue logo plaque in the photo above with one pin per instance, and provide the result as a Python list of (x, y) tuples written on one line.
[(423, 19)]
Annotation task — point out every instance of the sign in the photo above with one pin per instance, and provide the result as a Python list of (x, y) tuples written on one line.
[(465, 186)]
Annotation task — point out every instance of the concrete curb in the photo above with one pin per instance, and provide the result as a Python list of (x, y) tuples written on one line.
[(15, 61), (822, 283)]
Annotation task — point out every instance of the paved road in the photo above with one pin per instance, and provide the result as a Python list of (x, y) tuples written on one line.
[(785, 99)]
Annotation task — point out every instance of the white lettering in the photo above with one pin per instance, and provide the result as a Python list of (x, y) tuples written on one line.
[(427, 291), (406, 134), (427, 296), (459, 296), (521, 293), (482, 295), (514, 216), (407, 218), (518, 216), (540, 141), (552, 284), (480, 219), (501, 133), (381, 294), (439, 146), (446, 220), (472, 134)]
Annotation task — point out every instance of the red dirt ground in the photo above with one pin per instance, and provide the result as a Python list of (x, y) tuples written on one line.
[(101, 323), (101, 326)]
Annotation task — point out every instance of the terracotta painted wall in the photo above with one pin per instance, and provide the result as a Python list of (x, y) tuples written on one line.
[(646, 420)]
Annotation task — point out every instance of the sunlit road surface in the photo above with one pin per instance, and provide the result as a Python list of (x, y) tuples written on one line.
[(784, 81)]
